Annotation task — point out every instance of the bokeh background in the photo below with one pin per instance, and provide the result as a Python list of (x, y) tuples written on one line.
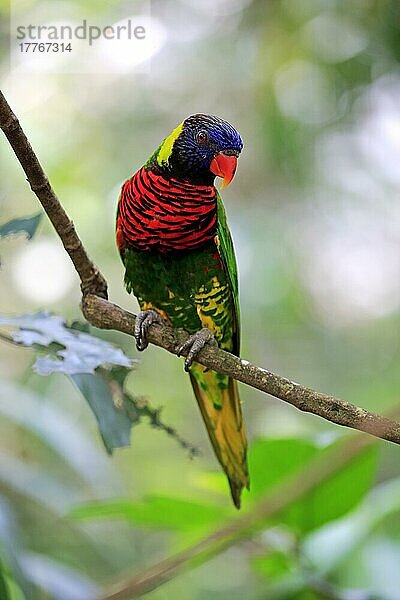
[(314, 89)]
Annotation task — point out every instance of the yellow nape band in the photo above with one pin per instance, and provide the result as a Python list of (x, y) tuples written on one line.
[(167, 145)]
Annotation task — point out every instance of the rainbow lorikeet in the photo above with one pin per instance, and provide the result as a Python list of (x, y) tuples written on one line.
[(180, 264)]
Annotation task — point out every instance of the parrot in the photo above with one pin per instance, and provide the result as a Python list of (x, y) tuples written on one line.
[(176, 247)]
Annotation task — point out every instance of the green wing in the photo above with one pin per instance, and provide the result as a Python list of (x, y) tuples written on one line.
[(227, 254)]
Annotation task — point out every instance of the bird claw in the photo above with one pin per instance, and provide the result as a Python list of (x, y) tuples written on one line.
[(143, 321), (194, 344)]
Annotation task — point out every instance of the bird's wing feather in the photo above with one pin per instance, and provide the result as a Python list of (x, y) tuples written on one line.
[(227, 254)]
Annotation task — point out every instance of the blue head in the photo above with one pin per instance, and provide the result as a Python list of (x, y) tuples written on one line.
[(200, 148)]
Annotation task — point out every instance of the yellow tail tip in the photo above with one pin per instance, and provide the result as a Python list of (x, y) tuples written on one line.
[(236, 491)]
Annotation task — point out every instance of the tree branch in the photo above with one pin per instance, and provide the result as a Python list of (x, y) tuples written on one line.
[(105, 315), (274, 502)]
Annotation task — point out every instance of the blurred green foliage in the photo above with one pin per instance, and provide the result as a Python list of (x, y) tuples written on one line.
[(286, 456), (314, 88)]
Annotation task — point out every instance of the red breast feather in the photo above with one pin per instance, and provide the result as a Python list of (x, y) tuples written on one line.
[(166, 215)]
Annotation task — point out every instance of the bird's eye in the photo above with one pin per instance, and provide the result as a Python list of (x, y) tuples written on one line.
[(202, 137)]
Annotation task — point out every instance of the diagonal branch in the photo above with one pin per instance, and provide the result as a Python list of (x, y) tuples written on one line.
[(105, 315), (273, 503)]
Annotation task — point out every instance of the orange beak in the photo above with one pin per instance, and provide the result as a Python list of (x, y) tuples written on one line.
[(224, 165)]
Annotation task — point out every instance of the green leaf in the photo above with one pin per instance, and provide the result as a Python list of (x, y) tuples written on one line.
[(157, 511), (114, 422), (273, 460), (274, 564), (77, 351), (27, 225), (335, 496), (15, 591), (335, 543), (9, 588), (4, 589)]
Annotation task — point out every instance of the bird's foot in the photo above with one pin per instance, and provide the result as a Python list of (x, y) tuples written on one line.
[(143, 321), (194, 344)]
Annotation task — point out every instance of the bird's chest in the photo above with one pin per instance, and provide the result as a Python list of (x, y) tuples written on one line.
[(165, 215), (160, 276), (183, 287)]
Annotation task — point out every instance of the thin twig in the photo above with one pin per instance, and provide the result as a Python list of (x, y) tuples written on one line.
[(276, 501)]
